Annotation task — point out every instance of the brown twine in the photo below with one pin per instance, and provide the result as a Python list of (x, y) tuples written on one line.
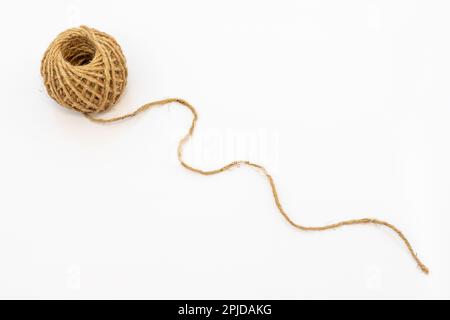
[(85, 70)]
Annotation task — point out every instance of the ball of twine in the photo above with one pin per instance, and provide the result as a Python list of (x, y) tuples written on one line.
[(84, 69)]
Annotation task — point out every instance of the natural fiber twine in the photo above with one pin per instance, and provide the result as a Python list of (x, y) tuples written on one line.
[(85, 70)]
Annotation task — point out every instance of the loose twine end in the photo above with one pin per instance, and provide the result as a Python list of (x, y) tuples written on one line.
[(262, 170)]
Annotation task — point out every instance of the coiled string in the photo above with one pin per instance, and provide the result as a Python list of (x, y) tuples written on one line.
[(258, 168)]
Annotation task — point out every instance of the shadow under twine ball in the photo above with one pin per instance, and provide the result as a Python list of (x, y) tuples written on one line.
[(84, 69)]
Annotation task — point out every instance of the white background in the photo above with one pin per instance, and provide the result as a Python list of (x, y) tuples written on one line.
[(346, 102)]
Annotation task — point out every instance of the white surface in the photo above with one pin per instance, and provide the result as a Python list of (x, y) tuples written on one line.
[(346, 102)]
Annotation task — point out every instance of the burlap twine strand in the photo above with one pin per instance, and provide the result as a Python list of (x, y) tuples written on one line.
[(85, 70)]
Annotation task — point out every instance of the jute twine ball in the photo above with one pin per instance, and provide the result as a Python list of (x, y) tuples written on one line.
[(84, 69)]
